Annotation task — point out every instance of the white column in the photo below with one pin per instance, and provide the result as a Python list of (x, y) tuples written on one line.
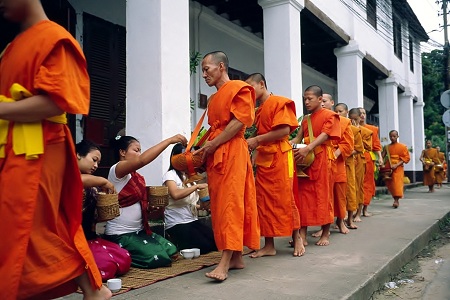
[(406, 125), (419, 132), (387, 107), (350, 74), (157, 76), (282, 48)]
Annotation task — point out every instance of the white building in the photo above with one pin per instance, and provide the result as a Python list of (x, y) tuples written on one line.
[(363, 52)]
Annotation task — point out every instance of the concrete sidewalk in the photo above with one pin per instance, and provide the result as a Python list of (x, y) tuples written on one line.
[(352, 267)]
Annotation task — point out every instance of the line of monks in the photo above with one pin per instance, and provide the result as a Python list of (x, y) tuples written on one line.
[(434, 166)]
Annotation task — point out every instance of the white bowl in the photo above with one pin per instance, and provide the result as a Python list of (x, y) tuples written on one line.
[(196, 252), (114, 284), (187, 253)]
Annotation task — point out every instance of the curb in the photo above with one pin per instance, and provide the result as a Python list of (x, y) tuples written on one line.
[(392, 267)]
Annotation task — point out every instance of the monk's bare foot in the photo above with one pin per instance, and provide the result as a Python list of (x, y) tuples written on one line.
[(357, 219), (218, 275), (351, 225), (103, 294), (317, 233), (323, 241), (396, 204), (299, 247), (342, 228), (335, 226), (265, 251), (237, 261), (291, 243), (367, 214)]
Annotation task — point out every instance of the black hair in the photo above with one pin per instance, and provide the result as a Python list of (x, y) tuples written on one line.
[(177, 149), (219, 57), (121, 143), (258, 77), (315, 89), (393, 130), (86, 146)]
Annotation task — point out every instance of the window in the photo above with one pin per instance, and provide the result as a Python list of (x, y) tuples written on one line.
[(411, 54), (371, 8), (397, 34), (236, 74)]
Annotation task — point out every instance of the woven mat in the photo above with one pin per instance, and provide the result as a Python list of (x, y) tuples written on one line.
[(137, 278)]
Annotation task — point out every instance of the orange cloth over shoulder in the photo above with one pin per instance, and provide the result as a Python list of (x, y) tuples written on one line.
[(278, 214), (345, 144), (316, 205), (376, 143), (43, 247), (398, 152), (231, 182)]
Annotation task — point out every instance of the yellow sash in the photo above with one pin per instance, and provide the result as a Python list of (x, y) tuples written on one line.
[(27, 138)]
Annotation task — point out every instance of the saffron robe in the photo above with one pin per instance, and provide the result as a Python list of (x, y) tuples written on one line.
[(41, 199), (278, 214), (398, 152), (345, 144), (231, 183), (350, 168), (439, 173), (429, 176), (369, 176), (316, 204), (376, 146)]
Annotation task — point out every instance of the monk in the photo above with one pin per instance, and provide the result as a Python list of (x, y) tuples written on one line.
[(44, 253), (374, 155), (230, 175), (439, 169), (342, 150), (316, 204), (360, 159), (429, 158), (395, 155), (278, 214), (350, 193)]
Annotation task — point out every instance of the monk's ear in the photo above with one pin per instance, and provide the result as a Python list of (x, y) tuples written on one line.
[(78, 156)]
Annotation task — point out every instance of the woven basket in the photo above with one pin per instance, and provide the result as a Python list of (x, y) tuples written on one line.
[(158, 196), (107, 207)]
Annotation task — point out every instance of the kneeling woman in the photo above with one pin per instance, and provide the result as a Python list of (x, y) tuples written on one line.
[(131, 229), (182, 225), (109, 257)]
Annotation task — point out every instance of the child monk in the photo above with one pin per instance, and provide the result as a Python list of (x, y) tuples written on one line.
[(278, 215), (316, 206), (42, 76), (429, 158), (350, 162), (395, 155)]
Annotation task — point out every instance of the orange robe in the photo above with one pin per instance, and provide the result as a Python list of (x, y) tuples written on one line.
[(360, 162), (278, 214), (43, 247), (230, 175), (316, 204), (369, 176), (376, 146), (345, 144), (398, 152), (350, 192), (429, 176), (439, 173)]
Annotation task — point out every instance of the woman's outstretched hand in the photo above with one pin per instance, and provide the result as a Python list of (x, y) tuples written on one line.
[(178, 138)]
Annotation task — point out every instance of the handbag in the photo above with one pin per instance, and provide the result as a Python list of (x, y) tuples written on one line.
[(188, 162)]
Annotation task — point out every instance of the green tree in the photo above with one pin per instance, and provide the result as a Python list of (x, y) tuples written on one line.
[(433, 68)]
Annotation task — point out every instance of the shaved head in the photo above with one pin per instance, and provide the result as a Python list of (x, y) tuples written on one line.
[(257, 77), (315, 89), (327, 101), (354, 112), (343, 105), (218, 57)]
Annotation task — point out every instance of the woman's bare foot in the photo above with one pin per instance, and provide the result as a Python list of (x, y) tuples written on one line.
[(265, 251)]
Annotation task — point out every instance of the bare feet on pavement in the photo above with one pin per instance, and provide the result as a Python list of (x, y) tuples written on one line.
[(265, 251)]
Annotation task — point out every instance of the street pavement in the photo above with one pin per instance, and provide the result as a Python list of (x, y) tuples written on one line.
[(353, 266)]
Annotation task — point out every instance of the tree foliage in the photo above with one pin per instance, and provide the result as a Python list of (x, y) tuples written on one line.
[(433, 70)]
